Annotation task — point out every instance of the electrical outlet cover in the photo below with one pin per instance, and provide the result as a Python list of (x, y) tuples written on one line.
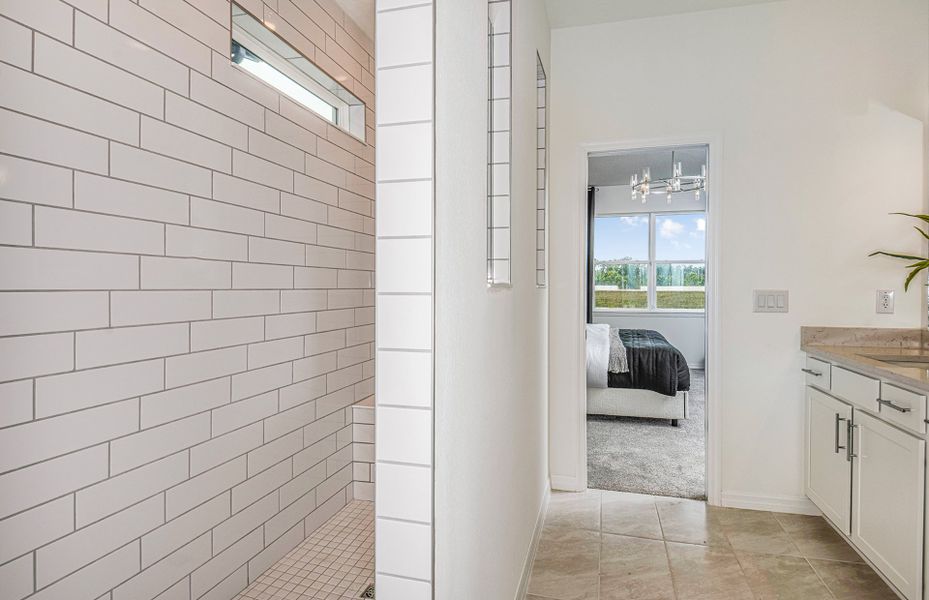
[(885, 302)]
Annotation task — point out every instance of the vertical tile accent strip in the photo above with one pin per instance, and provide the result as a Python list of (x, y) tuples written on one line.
[(499, 140), (541, 181), (404, 57)]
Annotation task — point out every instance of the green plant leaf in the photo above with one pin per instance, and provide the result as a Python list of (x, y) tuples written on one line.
[(903, 256), (913, 274), (920, 217), (921, 232)]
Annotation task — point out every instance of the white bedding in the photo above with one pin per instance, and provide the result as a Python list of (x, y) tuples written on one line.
[(598, 355)]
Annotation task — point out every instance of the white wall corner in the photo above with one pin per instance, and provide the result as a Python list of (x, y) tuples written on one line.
[(534, 543), (567, 483)]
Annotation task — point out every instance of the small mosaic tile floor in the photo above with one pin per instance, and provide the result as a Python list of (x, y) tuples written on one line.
[(335, 563)]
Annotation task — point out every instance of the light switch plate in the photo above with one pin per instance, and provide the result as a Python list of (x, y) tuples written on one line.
[(885, 302), (770, 301)]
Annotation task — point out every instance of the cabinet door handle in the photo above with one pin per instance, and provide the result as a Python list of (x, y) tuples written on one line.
[(838, 419), (812, 372), (890, 404), (850, 444)]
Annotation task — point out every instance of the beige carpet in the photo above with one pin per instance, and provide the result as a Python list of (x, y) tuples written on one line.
[(649, 456)]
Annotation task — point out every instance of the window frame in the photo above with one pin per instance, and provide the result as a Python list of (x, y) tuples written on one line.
[(652, 267), (346, 115)]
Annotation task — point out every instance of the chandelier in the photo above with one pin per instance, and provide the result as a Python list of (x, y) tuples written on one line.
[(676, 183)]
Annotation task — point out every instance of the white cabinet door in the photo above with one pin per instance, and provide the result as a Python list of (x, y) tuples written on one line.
[(887, 501), (828, 470)]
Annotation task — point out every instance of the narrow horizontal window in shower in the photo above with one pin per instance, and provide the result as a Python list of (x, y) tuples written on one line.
[(258, 50)]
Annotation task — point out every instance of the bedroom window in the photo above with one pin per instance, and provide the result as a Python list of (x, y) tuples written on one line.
[(650, 261)]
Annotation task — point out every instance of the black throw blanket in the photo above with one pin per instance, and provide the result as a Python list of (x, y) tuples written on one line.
[(654, 364)]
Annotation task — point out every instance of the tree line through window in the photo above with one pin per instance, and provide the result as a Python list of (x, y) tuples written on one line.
[(650, 261)]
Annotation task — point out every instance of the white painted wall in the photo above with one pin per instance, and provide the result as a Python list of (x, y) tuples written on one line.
[(490, 345), (821, 109)]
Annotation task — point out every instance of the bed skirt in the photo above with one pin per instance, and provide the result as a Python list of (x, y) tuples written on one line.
[(626, 402)]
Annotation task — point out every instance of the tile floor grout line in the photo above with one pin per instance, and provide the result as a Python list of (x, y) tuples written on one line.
[(820, 577)]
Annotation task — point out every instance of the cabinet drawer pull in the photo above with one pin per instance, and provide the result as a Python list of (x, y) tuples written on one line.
[(812, 372), (838, 420), (890, 404)]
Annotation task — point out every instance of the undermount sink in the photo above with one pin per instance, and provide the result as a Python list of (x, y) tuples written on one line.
[(901, 360)]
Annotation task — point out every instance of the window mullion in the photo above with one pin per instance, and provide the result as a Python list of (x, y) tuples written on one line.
[(652, 270)]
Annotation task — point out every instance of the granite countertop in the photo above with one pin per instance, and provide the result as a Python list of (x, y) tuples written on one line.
[(853, 347)]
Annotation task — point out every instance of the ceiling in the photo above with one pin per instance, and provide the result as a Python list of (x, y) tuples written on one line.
[(571, 13), (361, 12)]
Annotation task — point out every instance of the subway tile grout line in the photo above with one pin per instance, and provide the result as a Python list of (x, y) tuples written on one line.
[(351, 189)]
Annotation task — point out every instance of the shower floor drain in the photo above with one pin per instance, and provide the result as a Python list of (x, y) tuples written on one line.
[(368, 593)]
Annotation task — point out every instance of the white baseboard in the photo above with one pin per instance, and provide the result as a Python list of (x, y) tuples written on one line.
[(534, 544), (563, 483), (800, 505)]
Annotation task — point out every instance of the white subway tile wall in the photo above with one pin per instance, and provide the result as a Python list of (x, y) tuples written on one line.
[(405, 250), (187, 276)]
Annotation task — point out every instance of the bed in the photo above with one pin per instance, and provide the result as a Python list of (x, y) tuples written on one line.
[(655, 386)]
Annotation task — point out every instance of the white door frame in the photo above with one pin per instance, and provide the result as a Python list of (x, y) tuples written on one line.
[(713, 369)]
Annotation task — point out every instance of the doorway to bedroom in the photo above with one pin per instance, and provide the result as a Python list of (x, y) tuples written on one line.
[(646, 316)]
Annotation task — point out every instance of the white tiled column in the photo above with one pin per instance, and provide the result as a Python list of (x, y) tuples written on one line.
[(404, 323)]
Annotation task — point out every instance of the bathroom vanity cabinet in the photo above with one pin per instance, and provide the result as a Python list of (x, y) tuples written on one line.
[(866, 466)]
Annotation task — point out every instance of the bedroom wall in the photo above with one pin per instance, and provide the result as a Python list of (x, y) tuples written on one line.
[(821, 109), (490, 344), (186, 265)]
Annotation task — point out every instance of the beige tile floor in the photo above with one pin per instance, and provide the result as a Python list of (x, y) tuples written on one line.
[(335, 563), (615, 546)]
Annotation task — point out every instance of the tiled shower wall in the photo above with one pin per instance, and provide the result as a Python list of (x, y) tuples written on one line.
[(187, 305), (405, 167)]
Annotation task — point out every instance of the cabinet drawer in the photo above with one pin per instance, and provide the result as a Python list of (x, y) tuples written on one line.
[(818, 373), (903, 407), (860, 390)]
